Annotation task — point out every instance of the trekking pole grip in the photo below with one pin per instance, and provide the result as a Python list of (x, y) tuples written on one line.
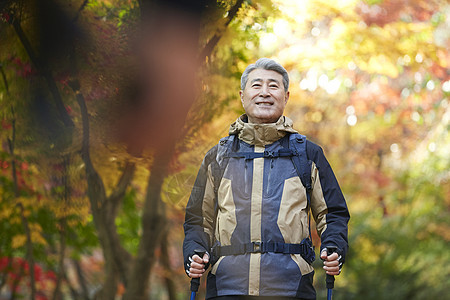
[(195, 282), (330, 278)]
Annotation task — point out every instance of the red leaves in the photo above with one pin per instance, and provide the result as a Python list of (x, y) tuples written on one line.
[(24, 166), (18, 269), (97, 93), (378, 97), (4, 164), (23, 69), (6, 17), (440, 72), (392, 10), (6, 125), (69, 109)]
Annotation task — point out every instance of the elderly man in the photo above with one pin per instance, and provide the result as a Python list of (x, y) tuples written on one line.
[(250, 206)]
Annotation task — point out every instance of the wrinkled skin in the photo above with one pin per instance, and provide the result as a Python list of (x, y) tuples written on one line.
[(264, 97)]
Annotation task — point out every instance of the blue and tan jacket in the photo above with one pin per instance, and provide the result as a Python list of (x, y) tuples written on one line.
[(263, 200)]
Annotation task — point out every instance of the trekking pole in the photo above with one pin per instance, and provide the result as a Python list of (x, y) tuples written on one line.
[(330, 278), (195, 282)]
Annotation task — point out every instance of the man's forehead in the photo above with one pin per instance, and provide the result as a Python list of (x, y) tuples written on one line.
[(262, 74), (262, 79)]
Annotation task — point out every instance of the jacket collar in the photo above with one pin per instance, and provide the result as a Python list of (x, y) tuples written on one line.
[(261, 134)]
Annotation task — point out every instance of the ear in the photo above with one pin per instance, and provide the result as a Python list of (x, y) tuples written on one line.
[(286, 97), (241, 94)]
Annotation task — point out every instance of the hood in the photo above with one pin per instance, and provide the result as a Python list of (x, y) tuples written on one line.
[(261, 134)]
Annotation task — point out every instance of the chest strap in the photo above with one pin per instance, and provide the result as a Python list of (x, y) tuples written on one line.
[(265, 154), (260, 247)]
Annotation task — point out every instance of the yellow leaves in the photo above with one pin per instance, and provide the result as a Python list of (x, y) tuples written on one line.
[(314, 116), (6, 213), (20, 240), (34, 169), (443, 58), (442, 230), (374, 49), (24, 201), (241, 66), (37, 238), (339, 29), (15, 220), (344, 4), (29, 203), (380, 64), (62, 211), (367, 246)]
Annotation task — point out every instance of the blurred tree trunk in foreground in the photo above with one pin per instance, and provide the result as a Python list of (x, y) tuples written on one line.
[(163, 50)]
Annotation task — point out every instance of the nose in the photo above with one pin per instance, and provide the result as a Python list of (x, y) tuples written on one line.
[(264, 90)]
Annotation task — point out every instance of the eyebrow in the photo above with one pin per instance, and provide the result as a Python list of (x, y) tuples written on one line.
[(259, 79)]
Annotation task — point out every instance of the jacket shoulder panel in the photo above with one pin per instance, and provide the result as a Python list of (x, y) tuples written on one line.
[(313, 151)]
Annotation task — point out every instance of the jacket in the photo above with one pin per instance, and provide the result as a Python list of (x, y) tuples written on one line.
[(263, 200)]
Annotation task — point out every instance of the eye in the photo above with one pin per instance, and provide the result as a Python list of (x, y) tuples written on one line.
[(273, 85), (256, 85)]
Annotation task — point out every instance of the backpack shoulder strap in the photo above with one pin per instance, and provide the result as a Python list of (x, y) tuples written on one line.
[(220, 162), (218, 166), (297, 144)]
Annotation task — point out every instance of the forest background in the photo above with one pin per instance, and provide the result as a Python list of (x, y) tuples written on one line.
[(108, 107)]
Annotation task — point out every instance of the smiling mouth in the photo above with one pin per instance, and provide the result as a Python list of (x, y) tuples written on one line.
[(264, 103)]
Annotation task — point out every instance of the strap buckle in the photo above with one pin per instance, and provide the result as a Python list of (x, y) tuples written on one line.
[(257, 247), (269, 154)]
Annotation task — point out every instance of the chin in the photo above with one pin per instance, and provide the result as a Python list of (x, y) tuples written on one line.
[(265, 119)]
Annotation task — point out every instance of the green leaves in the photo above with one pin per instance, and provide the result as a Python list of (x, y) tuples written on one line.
[(129, 223)]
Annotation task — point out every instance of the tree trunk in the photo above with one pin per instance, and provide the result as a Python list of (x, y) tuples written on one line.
[(57, 294), (165, 260), (81, 280), (16, 282), (6, 270), (29, 251), (26, 227), (104, 209), (381, 200), (73, 292), (153, 224), (65, 198)]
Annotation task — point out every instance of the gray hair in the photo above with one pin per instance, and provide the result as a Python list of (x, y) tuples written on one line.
[(265, 64)]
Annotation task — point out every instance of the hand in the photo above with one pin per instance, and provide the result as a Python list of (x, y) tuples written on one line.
[(331, 263), (197, 267)]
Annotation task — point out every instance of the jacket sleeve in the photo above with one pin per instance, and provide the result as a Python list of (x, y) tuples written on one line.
[(200, 211), (327, 203)]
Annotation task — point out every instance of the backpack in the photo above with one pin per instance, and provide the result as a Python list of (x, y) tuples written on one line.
[(293, 146)]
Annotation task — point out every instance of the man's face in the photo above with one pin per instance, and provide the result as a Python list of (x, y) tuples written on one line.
[(264, 97)]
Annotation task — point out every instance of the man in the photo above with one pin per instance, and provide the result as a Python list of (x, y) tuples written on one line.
[(249, 205)]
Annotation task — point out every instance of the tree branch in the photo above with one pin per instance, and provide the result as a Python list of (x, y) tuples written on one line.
[(45, 73), (209, 47), (104, 208), (97, 198), (123, 183), (81, 280), (29, 243), (96, 187), (83, 5), (29, 250), (5, 81)]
